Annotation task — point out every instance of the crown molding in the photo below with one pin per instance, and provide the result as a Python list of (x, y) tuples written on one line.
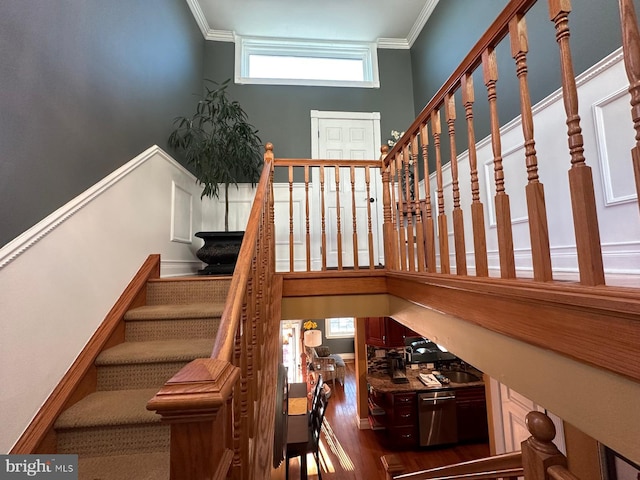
[(394, 43), (390, 43), (421, 21), (220, 36), (199, 17)]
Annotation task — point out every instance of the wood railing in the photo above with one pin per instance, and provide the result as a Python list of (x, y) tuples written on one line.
[(539, 459), (221, 409), (331, 239), (420, 213)]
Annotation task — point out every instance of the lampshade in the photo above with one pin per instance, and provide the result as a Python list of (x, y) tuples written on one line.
[(313, 338)]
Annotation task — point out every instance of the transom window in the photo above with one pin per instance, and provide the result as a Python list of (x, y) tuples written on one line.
[(306, 63), (339, 327)]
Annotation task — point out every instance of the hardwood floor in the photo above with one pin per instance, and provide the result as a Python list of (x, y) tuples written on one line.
[(350, 453)]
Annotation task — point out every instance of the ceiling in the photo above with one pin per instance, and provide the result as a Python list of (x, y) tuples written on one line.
[(392, 24)]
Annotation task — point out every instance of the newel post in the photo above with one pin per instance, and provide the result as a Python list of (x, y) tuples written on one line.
[(538, 451), (197, 403)]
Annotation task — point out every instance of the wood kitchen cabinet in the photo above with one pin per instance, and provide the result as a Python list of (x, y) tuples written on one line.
[(471, 410), (395, 416), (386, 332)]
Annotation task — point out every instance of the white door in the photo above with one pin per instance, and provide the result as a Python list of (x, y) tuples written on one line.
[(348, 136), (514, 408)]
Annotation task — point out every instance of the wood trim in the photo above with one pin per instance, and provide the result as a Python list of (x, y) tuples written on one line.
[(335, 283), (505, 465), (72, 387), (586, 324)]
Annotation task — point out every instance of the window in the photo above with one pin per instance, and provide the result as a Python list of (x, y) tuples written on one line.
[(339, 327), (282, 62)]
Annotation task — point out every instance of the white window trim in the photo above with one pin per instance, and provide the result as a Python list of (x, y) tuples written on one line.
[(327, 329), (367, 52)]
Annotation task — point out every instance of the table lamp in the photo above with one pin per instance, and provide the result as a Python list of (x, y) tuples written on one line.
[(313, 338)]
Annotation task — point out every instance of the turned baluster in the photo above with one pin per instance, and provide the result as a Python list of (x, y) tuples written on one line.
[(408, 204), (291, 266), (538, 228), (395, 214), (503, 208), (268, 158), (402, 242), (323, 230), (585, 218), (338, 220), (367, 180), (388, 230), (429, 232), (631, 50), (236, 463), (458, 218), (419, 226), (306, 211), (477, 209), (352, 172), (443, 234)]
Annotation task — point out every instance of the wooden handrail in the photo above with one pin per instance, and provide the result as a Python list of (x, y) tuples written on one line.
[(496, 32), (497, 466), (214, 404), (223, 347)]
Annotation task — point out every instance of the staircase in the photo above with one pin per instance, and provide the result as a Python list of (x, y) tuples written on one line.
[(111, 430)]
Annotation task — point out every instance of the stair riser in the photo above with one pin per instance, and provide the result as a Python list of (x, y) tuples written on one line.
[(145, 330), (184, 292), (114, 440), (136, 376)]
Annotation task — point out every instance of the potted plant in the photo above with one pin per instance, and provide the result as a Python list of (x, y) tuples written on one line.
[(222, 148)]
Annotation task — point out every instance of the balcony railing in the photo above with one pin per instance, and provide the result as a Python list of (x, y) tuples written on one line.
[(221, 408)]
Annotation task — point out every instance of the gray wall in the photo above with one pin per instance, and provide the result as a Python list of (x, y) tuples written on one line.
[(336, 345), (86, 85), (442, 45), (282, 113)]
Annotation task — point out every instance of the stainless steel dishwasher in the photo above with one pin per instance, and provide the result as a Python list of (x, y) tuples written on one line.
[(437, 418)]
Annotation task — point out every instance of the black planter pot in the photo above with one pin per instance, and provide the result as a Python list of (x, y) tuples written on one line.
[(220, 252)]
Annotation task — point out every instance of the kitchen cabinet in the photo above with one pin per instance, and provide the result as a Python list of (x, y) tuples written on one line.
[(396, 416), (471, 411), (386, 332)]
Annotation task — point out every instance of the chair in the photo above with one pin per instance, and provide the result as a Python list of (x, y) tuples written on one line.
[(330, 364), (313, 443)]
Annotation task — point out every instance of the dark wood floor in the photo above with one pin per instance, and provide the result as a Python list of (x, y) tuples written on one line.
[(350, 453)]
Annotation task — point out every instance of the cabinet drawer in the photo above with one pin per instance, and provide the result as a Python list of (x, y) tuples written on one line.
[(405, 415), (400, 399), (404, 436)]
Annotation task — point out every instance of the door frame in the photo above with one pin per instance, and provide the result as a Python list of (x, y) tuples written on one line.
[(316, 115)]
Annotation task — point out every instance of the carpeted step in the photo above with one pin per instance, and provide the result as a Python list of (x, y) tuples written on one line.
[(164, 322), (135, 365), (182, 291), (112, 423), (148, 466)]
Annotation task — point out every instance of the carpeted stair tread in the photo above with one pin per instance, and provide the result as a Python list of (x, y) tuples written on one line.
[(108, 408), (170, 311), (156, 351), (148, 466)]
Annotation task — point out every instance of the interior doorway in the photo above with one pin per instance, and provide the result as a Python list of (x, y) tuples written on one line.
[(291, 349), (348, 136)]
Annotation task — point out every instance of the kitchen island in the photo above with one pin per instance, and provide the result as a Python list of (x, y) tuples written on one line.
[(407, 415)]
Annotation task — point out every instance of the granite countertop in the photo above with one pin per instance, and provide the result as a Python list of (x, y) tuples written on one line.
[(382, 382)]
